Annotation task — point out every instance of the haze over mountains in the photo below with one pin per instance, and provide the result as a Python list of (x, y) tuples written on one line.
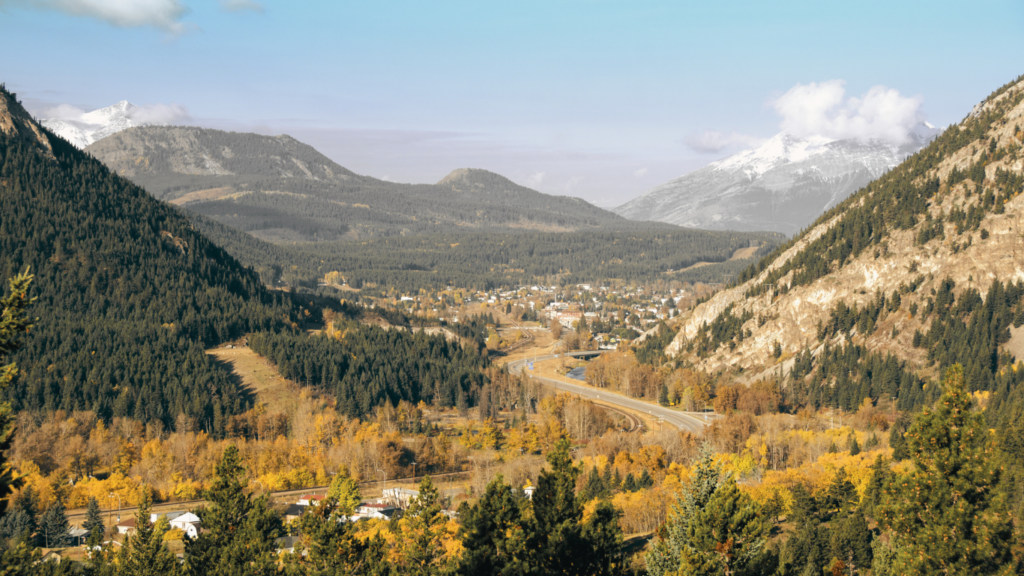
[(782, 185), (279, 189)]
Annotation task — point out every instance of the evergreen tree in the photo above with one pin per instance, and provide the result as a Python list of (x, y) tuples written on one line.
[(728, 536), (420, 534), (945, 516), (674, 538), (645, 480), (663, 395), (851, 541), (16, 526), (54, 526), (853, 446), (804, 552), (558, 513), (94, 522), (14, 324), (496, 533), (594, 486), (897, 441), (144, 552), (331, 547), (239, 534), (629, 484)]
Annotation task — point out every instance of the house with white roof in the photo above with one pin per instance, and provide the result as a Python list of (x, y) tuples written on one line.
[(188, 523)]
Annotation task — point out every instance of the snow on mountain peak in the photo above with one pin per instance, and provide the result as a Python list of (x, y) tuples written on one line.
[(86, 128), (781, 148)]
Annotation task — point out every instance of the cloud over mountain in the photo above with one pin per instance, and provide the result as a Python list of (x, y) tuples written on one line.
[(823, 109)]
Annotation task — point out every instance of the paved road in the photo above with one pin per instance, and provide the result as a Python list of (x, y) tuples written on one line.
[(693, 422)]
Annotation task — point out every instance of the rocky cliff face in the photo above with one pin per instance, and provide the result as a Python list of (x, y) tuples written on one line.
[(782, 309), (15, 121)]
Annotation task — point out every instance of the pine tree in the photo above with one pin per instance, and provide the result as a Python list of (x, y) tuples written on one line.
[(496, 533), (728, 536), (420, 534), (54, 526), (897, 441), (144, 553), (331, 546), (94, 522), (645, 480), (14, 324), (663, 395), (629, 484), (594, 486), (558, 513), (239, 534), (946, 516), (854, 447), (666, 553)]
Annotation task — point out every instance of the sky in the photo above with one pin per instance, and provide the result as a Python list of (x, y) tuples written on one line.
[(600, 99)]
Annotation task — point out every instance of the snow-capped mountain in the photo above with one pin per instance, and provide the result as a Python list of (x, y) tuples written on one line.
[(96, 125), (782, 185)]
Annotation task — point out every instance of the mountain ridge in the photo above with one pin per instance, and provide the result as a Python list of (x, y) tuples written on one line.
[(782, 185), (944, 226), (281, 190)]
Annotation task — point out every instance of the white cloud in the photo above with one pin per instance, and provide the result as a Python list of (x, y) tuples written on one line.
[(640, 173), (711, 141), (823, 109), (160, 113), (241, 5), (62, 112), (165, 15), (535, 180), (573, 183)]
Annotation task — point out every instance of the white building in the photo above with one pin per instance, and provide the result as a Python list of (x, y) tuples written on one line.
[(188, 523)]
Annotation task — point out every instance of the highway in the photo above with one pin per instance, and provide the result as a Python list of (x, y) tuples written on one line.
[(690, 421)]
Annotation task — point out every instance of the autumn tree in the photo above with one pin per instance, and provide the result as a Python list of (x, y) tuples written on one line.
[(345, 491), (946, 515)]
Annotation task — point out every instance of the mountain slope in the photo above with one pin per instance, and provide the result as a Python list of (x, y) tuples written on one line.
[(96, 125), (279, 189), (782, 185), (129, 293), (923, 268)]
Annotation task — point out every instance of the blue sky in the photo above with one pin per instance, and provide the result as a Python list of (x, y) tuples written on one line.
[(601, 99)]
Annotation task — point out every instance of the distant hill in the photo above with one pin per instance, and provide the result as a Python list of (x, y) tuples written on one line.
[(921, 269), (129, 292), (281, 190), (782, 185)]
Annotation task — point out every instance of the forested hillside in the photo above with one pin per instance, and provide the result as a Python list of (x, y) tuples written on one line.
[(129, 292), (279, 189), (487, 260), (368, 366), (919, 271)]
